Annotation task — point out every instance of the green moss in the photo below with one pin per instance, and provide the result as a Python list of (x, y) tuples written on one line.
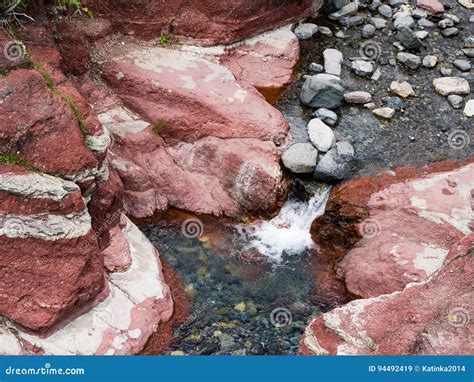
[(3, 72), (66, 99), (15, 159), (76, 6), (163, 40), (159, 127)]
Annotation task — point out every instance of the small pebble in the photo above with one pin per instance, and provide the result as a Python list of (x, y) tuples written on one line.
[(385, 11), (450, 32), (463, 65), (362, 68), (455, 101), (426, 24), (315, 68), (325, 31), (446, 72), (430, 61), (446, 23), (469, 108), (384, 112), (368, 31), (402, 89), (357, 97)]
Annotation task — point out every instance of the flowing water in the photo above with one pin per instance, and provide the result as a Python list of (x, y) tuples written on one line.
[(250, 285)]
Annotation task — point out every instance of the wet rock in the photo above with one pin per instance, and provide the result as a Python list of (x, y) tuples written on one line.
[(305, 31), (463, 65), (409, 39), (362, 68), (455, 101), (451, 85), (384, 112), (432, 6), (336, 163), (394, 103), (332, 61), (315, 68), (332, 6), (300, 158), (368, 31), (348, 10), (404, 22), (450, 32), (326, 115), (410, 60), (469, 108), (325, 31), (322, 91), (321, 135), (357, 97), (353, 21), (402, 89)]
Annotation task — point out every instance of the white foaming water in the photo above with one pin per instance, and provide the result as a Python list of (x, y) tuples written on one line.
[(289, 231)]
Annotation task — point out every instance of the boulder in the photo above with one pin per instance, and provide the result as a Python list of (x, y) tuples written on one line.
[(336, 164), (266, 62), (207, 131), (321, 135), (300, 158), (322, 91), (138, 301), (45, 229), (401, 242)]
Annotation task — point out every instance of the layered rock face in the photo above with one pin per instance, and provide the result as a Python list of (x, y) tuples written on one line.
[(404, 246), (211, 22), (175, 126), (61, 224), (191, 131)]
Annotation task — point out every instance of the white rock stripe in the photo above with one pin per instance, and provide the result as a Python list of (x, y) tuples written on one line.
[(37, 186), (98, 143), (121, 121), (112, 319), (45, 227)]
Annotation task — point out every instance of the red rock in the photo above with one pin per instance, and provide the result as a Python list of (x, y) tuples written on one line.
[(266, 62), (138, 301), (40, 127), (428, 318), (210, 22), (45, 230), (397, 240), (214, 151), (432, 6)]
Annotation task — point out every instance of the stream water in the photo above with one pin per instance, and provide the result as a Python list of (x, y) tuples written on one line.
[(250, 285)]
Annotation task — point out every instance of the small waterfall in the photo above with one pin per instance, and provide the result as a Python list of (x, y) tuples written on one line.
[(288, 232)]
